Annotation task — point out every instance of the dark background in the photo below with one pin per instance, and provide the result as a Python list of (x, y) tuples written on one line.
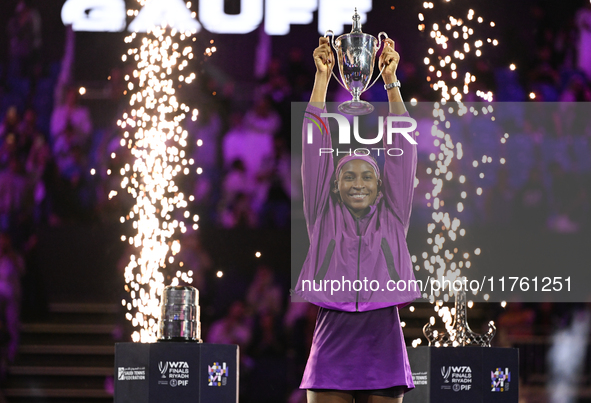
[(517, 25)]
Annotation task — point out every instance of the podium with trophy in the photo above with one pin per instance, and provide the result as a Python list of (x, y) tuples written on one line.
[(460, 366), (179, 368)]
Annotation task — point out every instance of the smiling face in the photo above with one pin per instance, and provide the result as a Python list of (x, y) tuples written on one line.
[(358, 186)]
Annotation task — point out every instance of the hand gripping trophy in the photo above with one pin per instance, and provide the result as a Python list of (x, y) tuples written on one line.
[(356, 53)]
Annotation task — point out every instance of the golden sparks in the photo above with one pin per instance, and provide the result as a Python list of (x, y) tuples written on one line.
[(154, 137), (456, 39)]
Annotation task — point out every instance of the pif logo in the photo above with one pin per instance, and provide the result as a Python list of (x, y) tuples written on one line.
[(174, 383)]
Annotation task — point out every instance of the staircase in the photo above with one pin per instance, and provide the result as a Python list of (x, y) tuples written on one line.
[(66, 357)]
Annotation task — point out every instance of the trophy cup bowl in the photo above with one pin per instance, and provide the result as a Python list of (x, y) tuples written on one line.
[(356, 54), (179, 318)]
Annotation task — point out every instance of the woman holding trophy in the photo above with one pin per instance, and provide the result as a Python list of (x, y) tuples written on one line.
[(357, 218)]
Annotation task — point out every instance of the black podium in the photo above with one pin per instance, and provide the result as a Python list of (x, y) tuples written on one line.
[(176, 372), (464, 375)]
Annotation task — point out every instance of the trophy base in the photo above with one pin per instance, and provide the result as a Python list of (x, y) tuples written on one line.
[(356, 108)]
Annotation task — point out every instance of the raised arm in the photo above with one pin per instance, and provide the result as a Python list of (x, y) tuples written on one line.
[(324, 61), (390, 58), (317, 169), (399, 171), (65, 76)]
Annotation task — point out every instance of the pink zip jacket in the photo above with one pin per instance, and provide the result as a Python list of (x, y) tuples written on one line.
[(357, 264)]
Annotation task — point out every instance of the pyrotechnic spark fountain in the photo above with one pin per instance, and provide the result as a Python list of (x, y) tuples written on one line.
[(457, 40), (153, 135)]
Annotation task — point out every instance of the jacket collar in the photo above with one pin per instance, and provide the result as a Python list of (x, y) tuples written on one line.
[(372, 209)]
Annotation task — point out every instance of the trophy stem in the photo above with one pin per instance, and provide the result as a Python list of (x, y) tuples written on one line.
[(356, 106)]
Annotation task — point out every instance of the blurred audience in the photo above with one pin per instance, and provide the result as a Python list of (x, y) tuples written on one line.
[(274, 186), (568, 200), (236, 184), (516, 321), (69, 118), (531, 203), (234, 328), (12, 269), (16, 199), (24, 36), (499, 203), (263, 295), (583, 21), (10, 124), (195, 259)]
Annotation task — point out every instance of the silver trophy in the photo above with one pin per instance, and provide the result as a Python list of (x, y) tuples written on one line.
[(356, 53), (179, 317)]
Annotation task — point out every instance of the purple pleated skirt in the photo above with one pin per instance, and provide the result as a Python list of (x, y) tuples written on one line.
[(357, 351)]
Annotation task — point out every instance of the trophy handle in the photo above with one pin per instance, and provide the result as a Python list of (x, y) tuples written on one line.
[(331, 33), (380, 38), (378, 47), (331, 40)]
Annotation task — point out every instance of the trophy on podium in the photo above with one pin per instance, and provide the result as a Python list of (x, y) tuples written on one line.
[(356, 53)]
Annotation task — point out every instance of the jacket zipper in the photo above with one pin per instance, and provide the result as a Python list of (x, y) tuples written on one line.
[(358, 263)]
